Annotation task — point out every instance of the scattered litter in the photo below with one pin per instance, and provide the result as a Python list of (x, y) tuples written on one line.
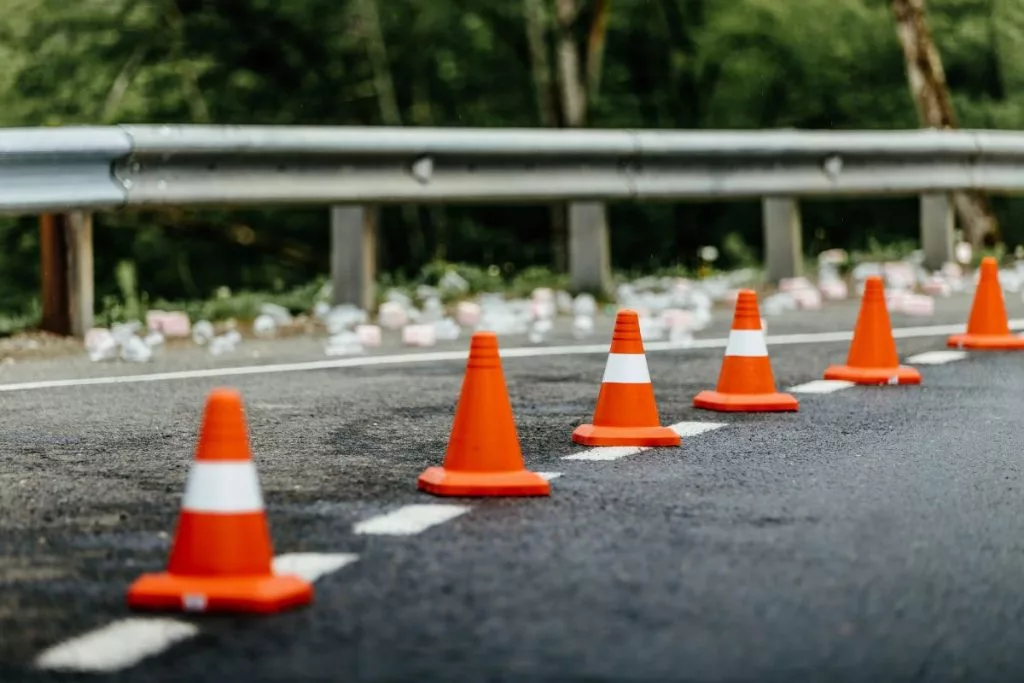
[(368, 335), (264, 326), (203, 332), (345, 343)]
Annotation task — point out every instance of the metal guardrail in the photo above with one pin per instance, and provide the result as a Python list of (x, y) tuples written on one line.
[(75, 170), (123, 166)]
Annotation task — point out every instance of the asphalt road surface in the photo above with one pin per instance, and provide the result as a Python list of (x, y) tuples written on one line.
[(877, 534)]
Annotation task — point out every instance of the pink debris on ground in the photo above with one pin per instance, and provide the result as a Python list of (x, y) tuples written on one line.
[(169, 323), (794, 284), (807, 299), (369, 335), (834, 290), (467, 313), (419, 335), (918, 304), (936, 285), (392, 315), (678, 319)]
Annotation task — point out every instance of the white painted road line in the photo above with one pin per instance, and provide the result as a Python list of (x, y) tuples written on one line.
[(688, 429), (438, 356), (117, 645), (683, 429), (821, 386), (312, 566), (937, 357), (127, 642), (550, 475), (410, 519), (606, 453)]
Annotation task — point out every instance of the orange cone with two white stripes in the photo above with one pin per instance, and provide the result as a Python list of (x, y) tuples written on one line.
[(626, 412), (221, 556), (746, 383)]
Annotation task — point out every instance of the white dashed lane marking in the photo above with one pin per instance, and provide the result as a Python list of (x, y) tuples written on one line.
[(937, 357), (821, 386), (311, 566), (117, 645), (410, 519), (127, 642), (683, 429)]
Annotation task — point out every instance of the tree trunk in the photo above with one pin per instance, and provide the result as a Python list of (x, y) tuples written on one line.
[(928, 87)]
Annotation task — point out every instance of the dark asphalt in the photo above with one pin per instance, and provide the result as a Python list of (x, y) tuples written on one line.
[(878, 534)]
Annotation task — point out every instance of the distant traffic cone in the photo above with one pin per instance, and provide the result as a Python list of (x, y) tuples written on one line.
[(987, 327), (483, 456), (746, 383), (221, 556), (627, 412), (872, 358)]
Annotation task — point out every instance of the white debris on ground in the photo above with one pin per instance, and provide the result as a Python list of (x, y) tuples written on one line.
[(670, 308)]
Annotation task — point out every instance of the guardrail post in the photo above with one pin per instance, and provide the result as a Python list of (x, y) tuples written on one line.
[(937, 223), (353, 255), (67, 272), (589, 258), (783, 243)]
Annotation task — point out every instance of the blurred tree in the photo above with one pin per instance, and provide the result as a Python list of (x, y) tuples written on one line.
[(650, 63)]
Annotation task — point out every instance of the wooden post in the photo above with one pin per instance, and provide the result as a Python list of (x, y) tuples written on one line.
[(65, 242), (53, 268), (354, 255)]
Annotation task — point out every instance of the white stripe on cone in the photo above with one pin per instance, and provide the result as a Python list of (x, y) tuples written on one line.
[(626, 368), (746, 343), (223, 487)]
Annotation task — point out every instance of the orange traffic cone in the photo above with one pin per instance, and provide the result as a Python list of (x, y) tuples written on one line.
[(987, 327), (746, 383), (221, 556), (872, 358), (483, 456), (626, 412)]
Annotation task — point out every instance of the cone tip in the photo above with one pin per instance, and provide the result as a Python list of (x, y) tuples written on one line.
[(483, 341), (223, 396)]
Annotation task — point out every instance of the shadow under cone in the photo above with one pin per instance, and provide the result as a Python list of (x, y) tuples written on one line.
[(873, 358), (987, 327), (627, 412), (746, 383), (483, 456), (220, 559)]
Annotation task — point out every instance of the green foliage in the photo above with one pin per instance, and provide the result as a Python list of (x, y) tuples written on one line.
[(707, 64)]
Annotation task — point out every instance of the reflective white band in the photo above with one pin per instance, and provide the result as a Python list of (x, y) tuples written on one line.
[(746, 343), (626, 368), (223, 487)]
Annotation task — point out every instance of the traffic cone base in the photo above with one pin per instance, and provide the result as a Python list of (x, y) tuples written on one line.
[(873, 358), (776, 402), (746, 383), (599, 435), (260, 594), (442, 482), (874, 376), (221, 556), (483, 456), (626, 413), (986, 342)]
